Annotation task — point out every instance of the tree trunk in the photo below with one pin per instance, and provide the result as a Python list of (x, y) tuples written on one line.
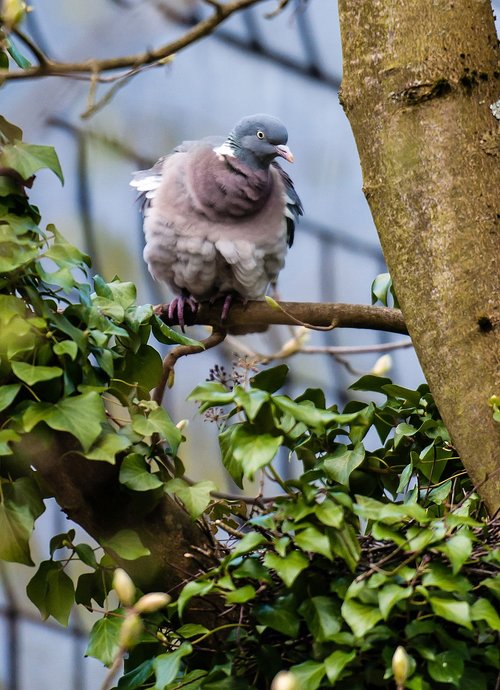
[(419, 79)]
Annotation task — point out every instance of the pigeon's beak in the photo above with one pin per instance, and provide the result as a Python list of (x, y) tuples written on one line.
[(284, 152)]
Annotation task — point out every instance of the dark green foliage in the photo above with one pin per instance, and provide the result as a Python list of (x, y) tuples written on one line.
[(379, 542)]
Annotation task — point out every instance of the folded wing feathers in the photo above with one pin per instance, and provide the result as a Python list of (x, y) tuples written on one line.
[(293, 205)]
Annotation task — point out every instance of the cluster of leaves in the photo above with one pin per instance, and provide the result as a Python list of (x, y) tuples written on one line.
[(328, 581), (71, 361)]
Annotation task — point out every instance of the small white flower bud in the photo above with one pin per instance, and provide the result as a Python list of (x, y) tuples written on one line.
[(400, 666), (149, 603), (130, 631), (285, 680), (124, 587), (382, 366)]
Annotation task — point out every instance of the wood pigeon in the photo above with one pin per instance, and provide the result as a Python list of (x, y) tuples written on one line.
[(219, 215)]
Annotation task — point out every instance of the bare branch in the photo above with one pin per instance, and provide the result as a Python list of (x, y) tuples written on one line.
[(257, 316), (216, 337), (33, 47), (50, 68)]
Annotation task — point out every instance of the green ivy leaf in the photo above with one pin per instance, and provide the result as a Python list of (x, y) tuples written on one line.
[(191, 630), (86, 554), (31, 374), (312, 539), (104, 638), (158, 422), (212, 392), (289, 567), (389, 595), (360, 617), (402, 431), (336, 662), (322, 616), (10, 131), (270, 380), (137, 677), (195, 498), (380, 288), (309, 674), (167, 335), (279, 618), (166, 666), (371, 383), (458, 549), (340, 464), (79, 415), (7, 394), (483, 610), (241, 595), (135, 474), (142, 368), (16, 525), (438, 575), (244, 451), (27, 159), (66, 347), (250, 541), (306, 412), (452, 610), (446, 667), (345, 544), (251, 401), (7, 436), (106, 448), (330, 513), (194, 588), (127, 544), (52, 591)]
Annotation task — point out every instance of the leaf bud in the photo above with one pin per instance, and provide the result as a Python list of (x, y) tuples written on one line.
[(130, 631), (400, 666), (12, 13), (382, 366), (285, 680), (149, 603), (124, 587)]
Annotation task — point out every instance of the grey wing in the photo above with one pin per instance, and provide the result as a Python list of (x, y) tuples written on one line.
[(147, 181), (293, 204)]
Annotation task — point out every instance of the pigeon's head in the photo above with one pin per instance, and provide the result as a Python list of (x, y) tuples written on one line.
[(258, 139)]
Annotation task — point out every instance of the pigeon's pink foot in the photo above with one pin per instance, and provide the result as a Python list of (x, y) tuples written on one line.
[(229, 299), (177, 306)]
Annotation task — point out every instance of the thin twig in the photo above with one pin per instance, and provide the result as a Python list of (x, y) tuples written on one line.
[(113, 670), (33, 47), (51, 68), (215, 338)]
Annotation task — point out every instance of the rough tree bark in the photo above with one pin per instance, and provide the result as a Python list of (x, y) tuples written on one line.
[(419, 78)]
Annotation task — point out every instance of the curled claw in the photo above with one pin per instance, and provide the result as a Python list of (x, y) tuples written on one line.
[(177, 306), (226, 306)]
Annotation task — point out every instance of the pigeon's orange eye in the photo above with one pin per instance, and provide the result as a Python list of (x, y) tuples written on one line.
[(260, 134)]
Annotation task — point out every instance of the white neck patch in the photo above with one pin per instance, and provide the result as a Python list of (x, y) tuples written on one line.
[(224, 150)]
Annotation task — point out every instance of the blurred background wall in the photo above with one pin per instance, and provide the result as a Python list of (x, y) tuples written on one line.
[(288, 66)]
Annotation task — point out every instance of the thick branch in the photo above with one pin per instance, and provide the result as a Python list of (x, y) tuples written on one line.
[(90, 494), (50, 68), (256, 316)]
